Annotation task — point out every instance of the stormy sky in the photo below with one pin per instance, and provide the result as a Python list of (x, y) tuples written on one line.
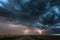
[(18, 15)]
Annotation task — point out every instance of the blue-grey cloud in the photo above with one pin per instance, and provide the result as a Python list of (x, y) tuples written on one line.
[(31, 12)]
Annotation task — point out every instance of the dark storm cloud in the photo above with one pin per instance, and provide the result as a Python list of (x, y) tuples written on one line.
[(28, 12), (18, 14)]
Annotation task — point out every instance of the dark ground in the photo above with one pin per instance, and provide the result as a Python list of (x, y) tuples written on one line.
[(30, 37)]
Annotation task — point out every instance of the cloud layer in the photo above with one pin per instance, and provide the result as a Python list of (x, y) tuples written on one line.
[(17, 14)]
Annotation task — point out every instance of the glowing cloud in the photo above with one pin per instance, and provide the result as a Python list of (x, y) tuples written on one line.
[(26, 31), (38, 31), (12, 25)]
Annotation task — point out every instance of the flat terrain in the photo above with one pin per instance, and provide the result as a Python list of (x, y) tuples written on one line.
[(29, 37)]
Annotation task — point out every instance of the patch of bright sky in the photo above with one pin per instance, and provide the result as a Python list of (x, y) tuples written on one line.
[(4, 1), (56, 9), (56, 34), (1, 5), (58, 27)]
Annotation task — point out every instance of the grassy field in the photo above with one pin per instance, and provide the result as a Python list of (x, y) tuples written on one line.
[(28, 37), (9, 37)]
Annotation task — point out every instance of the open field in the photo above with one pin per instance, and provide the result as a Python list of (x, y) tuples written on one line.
[(29, 37)]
